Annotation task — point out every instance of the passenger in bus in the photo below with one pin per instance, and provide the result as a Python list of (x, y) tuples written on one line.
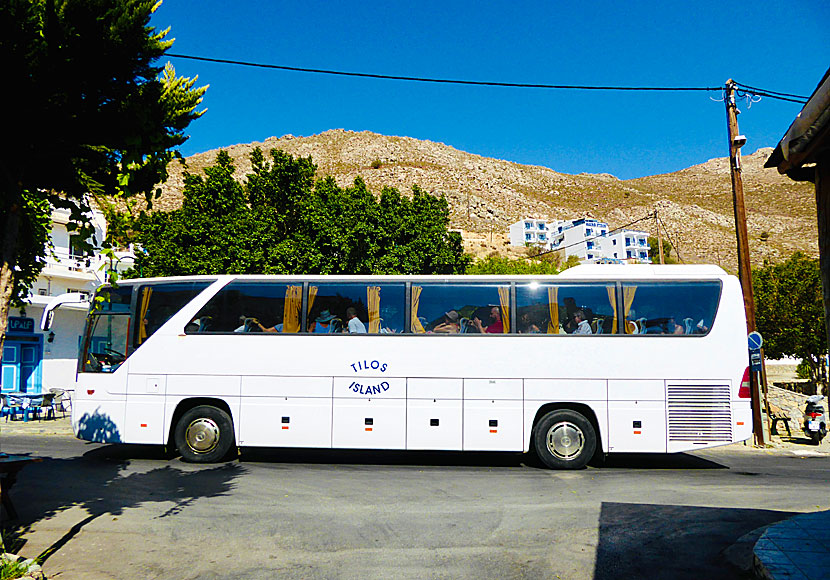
[(496, 326), (673, 328), (449, 324), (526, 325), (262, 328), (582, 325), (701, 328), (354, 324), (324, 323)]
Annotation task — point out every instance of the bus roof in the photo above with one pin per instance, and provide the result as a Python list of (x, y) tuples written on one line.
[(603, 271), (584, 272)]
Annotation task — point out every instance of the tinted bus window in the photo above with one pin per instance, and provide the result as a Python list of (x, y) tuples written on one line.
[(250, 306), (356, 308), (158, 302), (460, 308), (112, 299), (566, 308), (681, 308)]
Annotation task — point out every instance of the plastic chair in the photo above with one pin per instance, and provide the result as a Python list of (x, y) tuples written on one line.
[(47, 405), (58, 401)]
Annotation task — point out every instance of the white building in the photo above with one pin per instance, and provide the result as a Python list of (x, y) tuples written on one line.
[(590, 240), (581, 238), (530, 232), (34, 361), (627, 245)]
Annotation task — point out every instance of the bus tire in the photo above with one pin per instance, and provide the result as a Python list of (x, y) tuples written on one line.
[(564, 439), (204, 434)]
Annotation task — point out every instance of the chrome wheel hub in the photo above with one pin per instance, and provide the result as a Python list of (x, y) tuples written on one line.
[(565, 440), (202, 435)]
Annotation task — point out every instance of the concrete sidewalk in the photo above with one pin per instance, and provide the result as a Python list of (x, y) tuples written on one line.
[(58, 426), (795, 549)]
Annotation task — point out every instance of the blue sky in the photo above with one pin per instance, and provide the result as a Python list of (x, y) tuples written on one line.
[(775, 45)]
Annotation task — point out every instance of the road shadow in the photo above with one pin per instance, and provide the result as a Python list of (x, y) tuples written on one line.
[(674, 541), (100, 483)]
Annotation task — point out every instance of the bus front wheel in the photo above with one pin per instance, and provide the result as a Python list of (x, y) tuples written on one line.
[(204, 434), (564, 439)]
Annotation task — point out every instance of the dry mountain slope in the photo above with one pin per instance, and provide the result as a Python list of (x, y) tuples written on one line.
[(486, 195)]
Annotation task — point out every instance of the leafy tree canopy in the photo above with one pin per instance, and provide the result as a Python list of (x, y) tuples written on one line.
[(654, 251), (789, 311), (547, 264), (88, 115), (280, 221)]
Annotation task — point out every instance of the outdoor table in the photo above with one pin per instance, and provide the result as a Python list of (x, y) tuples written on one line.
[(10, 466), (24, 401)]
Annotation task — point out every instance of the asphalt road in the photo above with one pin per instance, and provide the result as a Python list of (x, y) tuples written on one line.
[(130, 512)]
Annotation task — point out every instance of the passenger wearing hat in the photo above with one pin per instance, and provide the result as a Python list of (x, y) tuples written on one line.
[(322, 324), (449, 325)]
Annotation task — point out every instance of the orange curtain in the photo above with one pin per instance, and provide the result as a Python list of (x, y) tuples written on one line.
[(628, 300), (373, 300), (417, 327), (293, 303), (553, 325), (145, 305), (504, 301), (612, 298)]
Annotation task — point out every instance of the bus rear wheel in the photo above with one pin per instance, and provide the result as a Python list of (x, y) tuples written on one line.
[(564, 439), (204, 434)]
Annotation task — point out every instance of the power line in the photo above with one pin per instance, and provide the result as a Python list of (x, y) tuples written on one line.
[(671, 238), (769, 92), (438, 80), (746, 88)]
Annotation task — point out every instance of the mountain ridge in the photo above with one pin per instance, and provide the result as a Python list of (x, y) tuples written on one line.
[(486, 194)]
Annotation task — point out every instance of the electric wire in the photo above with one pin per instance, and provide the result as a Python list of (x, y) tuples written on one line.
[(746, 88), (769, 92), (438, 80), (672, 240)]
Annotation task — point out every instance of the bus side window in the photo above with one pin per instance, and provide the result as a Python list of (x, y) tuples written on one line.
[(250, 306), (459, 308), (575, 308), (674, 308), (355, 308)]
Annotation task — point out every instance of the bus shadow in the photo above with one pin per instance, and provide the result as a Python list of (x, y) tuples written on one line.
[(382, 457), (658, 461), (102, 483), (675, 541)]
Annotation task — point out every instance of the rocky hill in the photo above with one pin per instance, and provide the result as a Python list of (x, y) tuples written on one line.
[(486, 195)]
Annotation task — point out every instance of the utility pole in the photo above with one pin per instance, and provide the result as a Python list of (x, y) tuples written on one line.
[(736, 141), (659, 236)]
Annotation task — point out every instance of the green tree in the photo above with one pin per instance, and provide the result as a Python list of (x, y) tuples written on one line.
[(88, 115), (654, 251), (283, 222), (789, 311), (503, 265)]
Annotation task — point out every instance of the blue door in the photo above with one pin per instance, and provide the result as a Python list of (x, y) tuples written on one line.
[(21, 366), (10, 371), (29, 359)]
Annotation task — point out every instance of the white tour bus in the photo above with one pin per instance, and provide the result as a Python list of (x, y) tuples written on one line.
[(600, 358)]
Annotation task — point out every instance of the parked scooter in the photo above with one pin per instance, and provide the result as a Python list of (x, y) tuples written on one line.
[(815, 419)]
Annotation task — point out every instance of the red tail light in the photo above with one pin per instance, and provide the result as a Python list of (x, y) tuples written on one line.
[(814, 415), (743, 392)]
